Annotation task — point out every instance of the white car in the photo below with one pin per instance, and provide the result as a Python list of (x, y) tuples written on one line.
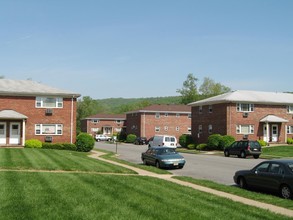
[(102, 137)]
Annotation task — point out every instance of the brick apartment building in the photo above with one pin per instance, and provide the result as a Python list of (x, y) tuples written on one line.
[(30, 110), (159, 120), (103, 123), (254, 115)]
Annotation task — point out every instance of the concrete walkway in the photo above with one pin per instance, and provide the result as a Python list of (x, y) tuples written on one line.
[(272, 208)]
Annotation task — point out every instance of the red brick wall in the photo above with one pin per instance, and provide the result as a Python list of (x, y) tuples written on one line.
[(225, 118), (26, 106)]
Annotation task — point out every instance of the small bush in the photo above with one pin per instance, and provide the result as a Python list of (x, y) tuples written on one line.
[(214, 141), (262, 143), (130, 138), (84, 142), (226, 141), (289, 140), (185, 140), (191, 146), (33, 143), (202, 147)]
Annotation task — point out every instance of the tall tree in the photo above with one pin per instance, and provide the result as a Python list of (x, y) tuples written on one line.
[(210, 88), (189, 91)]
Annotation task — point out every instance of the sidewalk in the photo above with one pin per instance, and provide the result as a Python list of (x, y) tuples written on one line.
[(272, 208)]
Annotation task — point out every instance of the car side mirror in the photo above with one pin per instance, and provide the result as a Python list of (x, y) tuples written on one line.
[(256, 172)]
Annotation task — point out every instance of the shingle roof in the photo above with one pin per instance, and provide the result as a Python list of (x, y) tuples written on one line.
[(11, 114), (29, 87), (273, 98), (108, 116), (165, 108)]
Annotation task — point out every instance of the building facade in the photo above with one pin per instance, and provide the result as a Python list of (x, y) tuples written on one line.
[(254, 115), (159, 120), (30, 110), (108, 124)]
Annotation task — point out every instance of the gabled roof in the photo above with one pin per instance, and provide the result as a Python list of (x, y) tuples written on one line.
[(11, 114), (107, 117), (257, 97), (172, 108), (31, 88), (273, 118)]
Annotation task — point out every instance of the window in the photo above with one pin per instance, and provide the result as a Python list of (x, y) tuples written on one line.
[(290, 109), (200, 129), (210, 108), (157, 129), (189, 129), (95, 121), (157, 115), (2, 127), (177, 115), (52, 129), (49, 102), (166, 128), (290, 129), (189, 116), (177, 128), (243, 107), (245, 129), (166, 114), (200, 109), (210, 129)]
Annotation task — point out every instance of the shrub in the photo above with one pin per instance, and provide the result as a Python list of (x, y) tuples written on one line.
[(262, 143), (202, 147), (185, 140), (84, 142), (130, 138), (289, 140), (226, 141), (214, 141), (33, 143), (191, 146)]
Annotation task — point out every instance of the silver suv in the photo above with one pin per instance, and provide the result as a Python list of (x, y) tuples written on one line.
[(102, 137), (243, 148)]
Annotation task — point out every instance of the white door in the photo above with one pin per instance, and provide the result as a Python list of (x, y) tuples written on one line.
[(2, 133), (266, 135), (14, 137), (275, 133)]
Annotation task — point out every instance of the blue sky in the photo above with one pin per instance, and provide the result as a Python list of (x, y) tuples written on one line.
[(146, 48)]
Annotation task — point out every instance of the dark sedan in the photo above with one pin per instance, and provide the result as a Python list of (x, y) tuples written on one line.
[(163, 157), (272, 175), (141, 141)]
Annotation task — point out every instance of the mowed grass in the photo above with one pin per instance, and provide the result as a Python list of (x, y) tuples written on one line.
[(25, 194), (42, 159), (277, 152)]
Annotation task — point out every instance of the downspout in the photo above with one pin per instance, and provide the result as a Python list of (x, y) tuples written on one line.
[(144, 124), (23, 132), (71, 121)]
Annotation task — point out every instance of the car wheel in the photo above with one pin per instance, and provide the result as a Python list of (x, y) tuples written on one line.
[(285, 192), (243, 154), (226, 153), (256, 156), (158, 164), (242, 183)]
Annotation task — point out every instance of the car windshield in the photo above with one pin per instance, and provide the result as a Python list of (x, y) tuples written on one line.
[(167, 151)]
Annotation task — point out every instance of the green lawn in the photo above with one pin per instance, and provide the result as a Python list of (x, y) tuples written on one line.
[(277, 152), (63, 195)]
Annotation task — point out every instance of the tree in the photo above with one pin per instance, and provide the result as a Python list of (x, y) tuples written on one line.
[(210, 88), (189, 91)]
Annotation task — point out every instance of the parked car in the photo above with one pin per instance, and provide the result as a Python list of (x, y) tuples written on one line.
[(141, 141), (163, 157), (272, 175), (163, 140), (102, 137), (243, 148)]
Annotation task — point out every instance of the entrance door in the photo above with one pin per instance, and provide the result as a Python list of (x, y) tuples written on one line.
[(2, 133), (14, 137), (275, 133), (266, 136)]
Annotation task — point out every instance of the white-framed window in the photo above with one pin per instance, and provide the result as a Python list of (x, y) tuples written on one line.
[(290, 109), (200, 109), (189, 129), (157, 129), (245, 129), (49, 102), (48, 129), (166, 114), (157, 115), (189, 116), (177, 128), (290, 129), (200, 129), (210, 108), (177, 115), (95, 121), (244, 107), (210, 129), (166, 128), (95, 130)]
